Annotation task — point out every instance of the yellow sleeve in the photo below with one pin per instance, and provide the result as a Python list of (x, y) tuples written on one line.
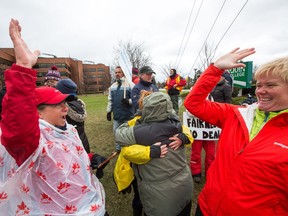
[(132, 122), (137, 154), (123, 172), (187, 132)]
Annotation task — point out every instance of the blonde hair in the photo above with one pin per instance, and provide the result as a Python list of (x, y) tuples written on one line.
[(278, 68), (143, 94)]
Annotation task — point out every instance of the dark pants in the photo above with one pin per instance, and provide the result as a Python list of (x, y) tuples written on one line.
[(174, 99), (198, 211), (187, 210), (136, 203)]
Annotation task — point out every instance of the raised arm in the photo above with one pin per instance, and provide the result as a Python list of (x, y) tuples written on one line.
[(19, 125), (24, 57), (196, 102)]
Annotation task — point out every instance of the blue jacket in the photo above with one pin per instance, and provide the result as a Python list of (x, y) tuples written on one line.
[(121, 112), (142, 85)]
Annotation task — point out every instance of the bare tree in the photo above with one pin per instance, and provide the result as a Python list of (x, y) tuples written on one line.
[(207, 56), (165, 69), (138, 54)]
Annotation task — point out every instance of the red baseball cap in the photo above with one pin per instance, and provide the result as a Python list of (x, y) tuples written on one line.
[(50, 95)]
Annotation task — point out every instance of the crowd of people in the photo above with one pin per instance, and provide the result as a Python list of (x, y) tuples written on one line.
[(47, 167)]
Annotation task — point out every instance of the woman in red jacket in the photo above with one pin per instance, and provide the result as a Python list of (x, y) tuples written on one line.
[(249, 175), (44, 169)]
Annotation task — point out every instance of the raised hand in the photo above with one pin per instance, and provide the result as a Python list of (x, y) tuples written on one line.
[(24, 57), (231, 59)]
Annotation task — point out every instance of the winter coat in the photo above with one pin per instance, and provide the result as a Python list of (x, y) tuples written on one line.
[(136, 91), (137, 154), (171, 81), (44, 170), (76, 116), (165, 184), (222, 92), (121, 112), (247, 177)]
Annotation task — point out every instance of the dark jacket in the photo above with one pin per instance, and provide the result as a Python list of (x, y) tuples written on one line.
[(222, 92), (76, 116), (136, 91)]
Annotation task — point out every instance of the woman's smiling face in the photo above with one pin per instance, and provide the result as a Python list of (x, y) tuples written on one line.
[(272, 93)]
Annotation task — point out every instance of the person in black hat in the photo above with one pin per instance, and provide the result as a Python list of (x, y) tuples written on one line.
[(145, 83)]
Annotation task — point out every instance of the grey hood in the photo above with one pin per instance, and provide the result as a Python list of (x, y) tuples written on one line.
[(156, 107)]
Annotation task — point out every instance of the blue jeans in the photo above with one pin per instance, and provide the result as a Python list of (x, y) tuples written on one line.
[(116, 124)]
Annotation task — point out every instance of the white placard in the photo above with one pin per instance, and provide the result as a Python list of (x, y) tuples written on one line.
[(125, 65), (200, 130)]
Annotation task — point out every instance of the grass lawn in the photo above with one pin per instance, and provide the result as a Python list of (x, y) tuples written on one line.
[(99, 132)]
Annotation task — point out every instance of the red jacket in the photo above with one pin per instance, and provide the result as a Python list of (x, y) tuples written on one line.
[(247, 177), (170, 82), (20, 126), (53, 175)]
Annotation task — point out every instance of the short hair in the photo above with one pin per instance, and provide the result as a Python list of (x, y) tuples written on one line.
[(278, 68)]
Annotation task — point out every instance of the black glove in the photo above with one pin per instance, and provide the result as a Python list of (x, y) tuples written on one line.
[(108, 116), (183, 138), (96, 160), (126, 190), (155, 151), (99, 173), (125, 101)]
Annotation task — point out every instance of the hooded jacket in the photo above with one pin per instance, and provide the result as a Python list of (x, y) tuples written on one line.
[(165, 184), (248, 176)]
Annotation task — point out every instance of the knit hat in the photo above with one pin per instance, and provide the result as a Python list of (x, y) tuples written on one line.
[(50, 96), (67, 86), (146, 69), (53, 74), (135, 71)]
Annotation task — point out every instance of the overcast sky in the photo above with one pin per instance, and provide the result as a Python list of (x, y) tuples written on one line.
[(89, 29)]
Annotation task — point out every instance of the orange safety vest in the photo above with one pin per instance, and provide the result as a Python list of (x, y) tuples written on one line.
[(179, 88)]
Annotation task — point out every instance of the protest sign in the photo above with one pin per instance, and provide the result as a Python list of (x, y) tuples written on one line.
[(125, 64), (200, 130)]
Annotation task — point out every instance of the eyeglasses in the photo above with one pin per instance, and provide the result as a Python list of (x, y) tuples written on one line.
[(61, 105)]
